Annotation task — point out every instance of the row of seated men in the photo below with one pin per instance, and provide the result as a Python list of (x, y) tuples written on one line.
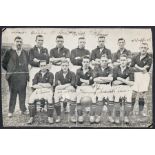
[(101, 86)]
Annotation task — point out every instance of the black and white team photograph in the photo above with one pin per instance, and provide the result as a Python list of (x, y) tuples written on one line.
[(77, 77)]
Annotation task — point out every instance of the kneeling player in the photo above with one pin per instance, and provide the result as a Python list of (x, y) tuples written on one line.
[(42, 83), (142, 64), (85, 90), (123, 81), (103, 77), (65, 90)]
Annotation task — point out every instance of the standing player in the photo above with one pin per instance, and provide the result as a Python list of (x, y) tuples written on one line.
[(99, 51), (103, 77), (78, 53), (36, 54), (15, 62), (142, 64), (123, 81), (121, 50), (84, 81), (65, 90), (43, 90), (58, 53)]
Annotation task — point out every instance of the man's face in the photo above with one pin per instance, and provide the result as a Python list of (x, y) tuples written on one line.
[(81, 43), (104, 62), (18, 43), (59, 42), (123, 61), (101, 42), (43, 66), (143, 49), (121, 44), (65, 67), (85, 63), (39, 41)]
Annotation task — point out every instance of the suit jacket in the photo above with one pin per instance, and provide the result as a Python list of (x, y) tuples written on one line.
[(12, 61)]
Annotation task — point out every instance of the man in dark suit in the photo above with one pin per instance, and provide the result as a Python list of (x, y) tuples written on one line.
[(15, 62)]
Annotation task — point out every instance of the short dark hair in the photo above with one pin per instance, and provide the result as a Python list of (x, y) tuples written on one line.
[(81, 38), (60, 37), (39, 35), (85, 57), (123, 55), (121, 39), (18, 37), (101, 36)]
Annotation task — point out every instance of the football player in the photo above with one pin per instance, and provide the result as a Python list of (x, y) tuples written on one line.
[(43, 90), (122, 86), (78, 53), (103, 77), (142, 64), (65, 90), (36, 54), (84, 81), (58, 53), (99, 51), (121, 50)]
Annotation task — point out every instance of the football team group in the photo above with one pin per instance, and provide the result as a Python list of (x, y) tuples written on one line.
[(79, 80)]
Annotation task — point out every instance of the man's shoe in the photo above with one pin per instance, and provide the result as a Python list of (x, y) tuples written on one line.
[(126, 119), (31, 120), (50, 120), (10, 115), (110, 119), (80, 119), (117, 121), (92, 119), (98, 119), (58, 120), (73, 119)]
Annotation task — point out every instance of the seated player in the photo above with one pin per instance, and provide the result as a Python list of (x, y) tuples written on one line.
[(121, 50), (103, 77), (78, 53), (123, 81), (43, 90), (58, 53), (65, 90), (84, 81), (37, 54), (142, 64)]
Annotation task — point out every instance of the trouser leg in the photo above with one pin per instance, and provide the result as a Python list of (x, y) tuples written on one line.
[(22, 97), (12, 101)]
